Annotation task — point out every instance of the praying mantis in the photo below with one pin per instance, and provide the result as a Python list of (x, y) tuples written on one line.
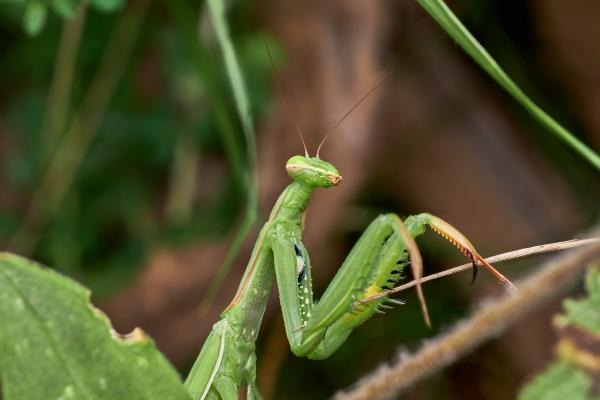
[(314, 329), (226, 364)]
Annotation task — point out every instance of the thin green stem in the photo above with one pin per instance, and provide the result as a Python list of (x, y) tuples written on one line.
[(57, 105), (216, 10), (182, 182)]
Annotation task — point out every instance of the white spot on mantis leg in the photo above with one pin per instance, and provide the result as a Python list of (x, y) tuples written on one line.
[(299, 265), (223, 325)]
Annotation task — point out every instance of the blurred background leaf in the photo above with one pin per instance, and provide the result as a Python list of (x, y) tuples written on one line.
[(574, 373), (36, 11)]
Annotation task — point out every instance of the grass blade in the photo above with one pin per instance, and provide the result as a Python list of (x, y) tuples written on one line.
[(216, 10), (452, 25)]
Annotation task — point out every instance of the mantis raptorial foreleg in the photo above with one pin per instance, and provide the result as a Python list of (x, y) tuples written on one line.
[(375, 263), (368, 266)]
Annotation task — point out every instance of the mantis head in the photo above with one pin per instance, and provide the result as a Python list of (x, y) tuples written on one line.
[(313, 171)]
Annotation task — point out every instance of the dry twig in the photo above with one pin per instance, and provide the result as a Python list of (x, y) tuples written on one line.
[(511, 255)]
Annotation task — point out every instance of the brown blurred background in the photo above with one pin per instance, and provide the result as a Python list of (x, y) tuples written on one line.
[(154, 201)]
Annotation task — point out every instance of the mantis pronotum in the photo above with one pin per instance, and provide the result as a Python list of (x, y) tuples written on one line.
[(227, 362)]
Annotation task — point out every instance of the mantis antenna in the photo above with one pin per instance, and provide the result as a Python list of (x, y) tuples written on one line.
[(287, 101), (363, 98)]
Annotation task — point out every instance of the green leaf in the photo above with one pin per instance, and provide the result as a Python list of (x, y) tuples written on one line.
[(559, 382), (571, 376), (586, 312), (592, 284), (55, 345), (35, 17), (452, 25)]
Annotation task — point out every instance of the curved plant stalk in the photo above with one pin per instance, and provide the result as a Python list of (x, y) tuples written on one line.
[(216, 11), (206, 73), (184, 175), (57, 108), (452, 25)]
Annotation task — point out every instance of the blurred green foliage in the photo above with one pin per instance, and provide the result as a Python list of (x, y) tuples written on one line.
[(573, 374), (36, 11), (173, 91)]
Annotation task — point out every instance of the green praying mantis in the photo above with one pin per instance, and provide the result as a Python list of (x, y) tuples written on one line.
[(315, 329), (226, 364)]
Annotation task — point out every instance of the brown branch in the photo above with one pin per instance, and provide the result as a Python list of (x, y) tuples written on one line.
[(489, 321), (511, 255)]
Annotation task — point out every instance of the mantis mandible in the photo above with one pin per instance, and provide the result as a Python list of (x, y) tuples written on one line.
[(227, 361)]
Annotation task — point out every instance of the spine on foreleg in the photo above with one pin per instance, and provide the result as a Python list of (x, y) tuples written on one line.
[(390, 264), (386, 272)]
